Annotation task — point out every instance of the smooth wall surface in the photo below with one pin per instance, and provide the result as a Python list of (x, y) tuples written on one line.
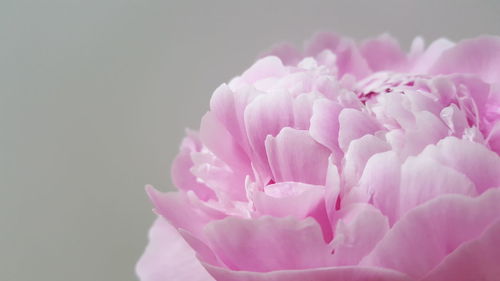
[(95, 96)]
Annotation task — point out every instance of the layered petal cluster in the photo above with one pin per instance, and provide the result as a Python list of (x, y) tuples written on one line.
[(344, 161)]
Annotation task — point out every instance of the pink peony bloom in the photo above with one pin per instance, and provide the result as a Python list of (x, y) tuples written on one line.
[(343, 162)]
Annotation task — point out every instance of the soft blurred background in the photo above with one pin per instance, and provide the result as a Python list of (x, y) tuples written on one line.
[(95, 96)]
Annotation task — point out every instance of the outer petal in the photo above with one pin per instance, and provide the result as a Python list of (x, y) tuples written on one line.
[(426, 235), (181, 211), (479, 56), (169, 257), (347, 273), (289, 163), (475, 260), (423, 179), (267, 243), (181, 174), (264, 68), (383, 53), (474, 160)]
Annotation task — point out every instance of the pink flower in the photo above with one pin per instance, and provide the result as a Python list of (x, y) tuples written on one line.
[(344, 162)]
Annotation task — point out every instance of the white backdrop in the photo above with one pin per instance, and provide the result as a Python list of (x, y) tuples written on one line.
[(94, 97)]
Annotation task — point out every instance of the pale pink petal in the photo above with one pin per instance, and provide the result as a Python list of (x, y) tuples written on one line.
[(381, 181), (478, 259), (474, 160), (344, 273), (353, 125), (291, 164), (325, 123), (180, 211), (169, 257), (431, 55), (423, 179), (357, 232), (322, 41), (383, 53), (216, 138), (427, 234), (229, 106), (303, 110), (480, 56), (294, 199), (268, 243), (181, 174), (288, 54), (358, 153), (263, 69), (266, 115)]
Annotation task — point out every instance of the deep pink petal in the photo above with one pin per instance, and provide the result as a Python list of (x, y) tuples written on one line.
[(169, 257)]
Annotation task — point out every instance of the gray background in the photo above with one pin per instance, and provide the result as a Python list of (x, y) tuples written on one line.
[(95, 95)]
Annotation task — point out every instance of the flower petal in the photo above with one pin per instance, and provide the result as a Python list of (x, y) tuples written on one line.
[(266, 115), (480, 56), (478, 259), (427, 234), (307, 165), (474, 160), (267, 243), (182, 177), (344, 273), (169, 257)]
